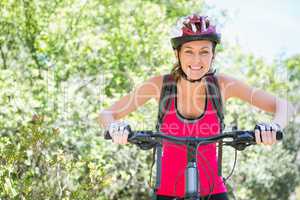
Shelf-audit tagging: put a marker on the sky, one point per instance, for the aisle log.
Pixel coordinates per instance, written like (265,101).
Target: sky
(266,28)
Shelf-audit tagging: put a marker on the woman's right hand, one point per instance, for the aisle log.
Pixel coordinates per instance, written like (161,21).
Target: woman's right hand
(119,131)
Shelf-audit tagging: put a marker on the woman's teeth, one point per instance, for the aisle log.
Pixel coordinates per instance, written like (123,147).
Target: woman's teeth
(195,68)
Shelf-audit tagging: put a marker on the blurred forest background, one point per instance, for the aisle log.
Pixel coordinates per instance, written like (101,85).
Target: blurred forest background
(62,61)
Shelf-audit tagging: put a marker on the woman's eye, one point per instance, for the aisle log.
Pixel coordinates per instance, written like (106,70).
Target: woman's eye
(204,52)
(188,52)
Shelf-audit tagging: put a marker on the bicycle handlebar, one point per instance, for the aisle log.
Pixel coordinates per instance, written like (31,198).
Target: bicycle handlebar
(148,139)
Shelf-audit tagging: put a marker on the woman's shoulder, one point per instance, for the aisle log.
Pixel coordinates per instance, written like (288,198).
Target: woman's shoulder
(232,87)
(225,82)
(155,81)
(223,78)
(154,85)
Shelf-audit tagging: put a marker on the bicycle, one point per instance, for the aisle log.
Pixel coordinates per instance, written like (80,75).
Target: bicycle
(237,139)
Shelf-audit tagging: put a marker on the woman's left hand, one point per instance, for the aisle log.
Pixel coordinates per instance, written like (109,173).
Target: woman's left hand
(265,133)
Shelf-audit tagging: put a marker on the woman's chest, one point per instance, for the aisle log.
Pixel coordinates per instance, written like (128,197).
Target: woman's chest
(191,106)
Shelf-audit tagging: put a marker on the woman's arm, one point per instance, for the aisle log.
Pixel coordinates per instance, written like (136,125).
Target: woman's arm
(232,87)
(129,103)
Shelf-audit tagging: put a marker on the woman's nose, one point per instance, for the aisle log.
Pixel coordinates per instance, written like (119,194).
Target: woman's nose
(197,58)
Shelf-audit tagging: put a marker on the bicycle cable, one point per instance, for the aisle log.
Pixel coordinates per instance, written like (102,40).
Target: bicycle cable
(211,188)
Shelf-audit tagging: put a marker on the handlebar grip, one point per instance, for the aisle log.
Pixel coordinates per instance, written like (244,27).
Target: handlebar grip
(107,135)
(279,135)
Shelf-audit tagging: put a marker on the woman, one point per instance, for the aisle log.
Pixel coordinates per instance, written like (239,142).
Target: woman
(191,112)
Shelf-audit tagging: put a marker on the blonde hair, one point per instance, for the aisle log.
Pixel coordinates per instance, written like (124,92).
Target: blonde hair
(177,72)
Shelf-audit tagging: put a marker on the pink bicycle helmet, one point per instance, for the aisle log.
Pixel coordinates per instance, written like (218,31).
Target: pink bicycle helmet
(191,28)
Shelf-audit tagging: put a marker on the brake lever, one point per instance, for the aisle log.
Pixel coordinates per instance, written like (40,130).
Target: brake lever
(141,136)
(242,140)
(143,140)
(238,146)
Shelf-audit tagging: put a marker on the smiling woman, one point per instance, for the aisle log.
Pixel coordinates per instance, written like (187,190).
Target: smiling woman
(189,103)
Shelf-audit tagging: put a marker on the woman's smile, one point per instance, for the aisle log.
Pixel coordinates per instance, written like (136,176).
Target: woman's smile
(195,67)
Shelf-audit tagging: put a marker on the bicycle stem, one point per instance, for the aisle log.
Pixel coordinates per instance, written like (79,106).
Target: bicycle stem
(192,182)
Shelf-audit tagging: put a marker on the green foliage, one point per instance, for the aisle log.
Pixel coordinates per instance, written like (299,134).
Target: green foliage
(265,173)
(64,60)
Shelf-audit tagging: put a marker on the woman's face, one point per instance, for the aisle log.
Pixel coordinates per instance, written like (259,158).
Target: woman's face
(196,58)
